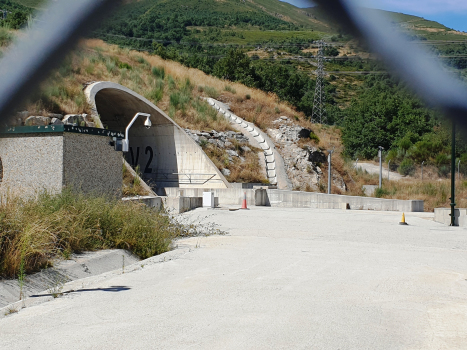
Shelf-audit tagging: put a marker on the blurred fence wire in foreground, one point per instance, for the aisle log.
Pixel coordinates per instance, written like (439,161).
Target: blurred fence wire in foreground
(423,74)
(44,46)
(59,28)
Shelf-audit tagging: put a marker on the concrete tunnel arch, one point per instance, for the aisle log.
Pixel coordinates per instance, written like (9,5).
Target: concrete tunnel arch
(167,156)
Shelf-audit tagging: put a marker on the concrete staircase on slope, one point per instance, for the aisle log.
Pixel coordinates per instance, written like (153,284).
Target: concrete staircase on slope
(268,149)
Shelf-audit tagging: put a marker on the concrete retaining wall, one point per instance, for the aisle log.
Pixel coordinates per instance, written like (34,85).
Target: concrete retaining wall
(292,199)
(442,215)
(150,201)
(177,205)
(228,196)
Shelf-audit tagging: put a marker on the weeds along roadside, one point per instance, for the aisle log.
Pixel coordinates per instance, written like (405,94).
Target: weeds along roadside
(35,232)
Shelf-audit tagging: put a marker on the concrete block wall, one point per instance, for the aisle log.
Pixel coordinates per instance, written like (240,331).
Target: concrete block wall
(31,164)
(51,159)
(443,216)
(262,196)
(292,199)
(91,165)
(228,196)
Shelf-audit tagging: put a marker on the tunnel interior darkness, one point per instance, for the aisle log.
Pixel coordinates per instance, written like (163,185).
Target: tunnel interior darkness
(154,149)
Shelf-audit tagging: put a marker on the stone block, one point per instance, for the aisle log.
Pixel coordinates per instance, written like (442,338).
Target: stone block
(56,121)
(37,121)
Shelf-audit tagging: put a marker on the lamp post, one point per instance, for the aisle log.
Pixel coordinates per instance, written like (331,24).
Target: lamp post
(356,165)
(147,124)
(422,169)
(380,151)
(458,169)
(453,175)
(329,170)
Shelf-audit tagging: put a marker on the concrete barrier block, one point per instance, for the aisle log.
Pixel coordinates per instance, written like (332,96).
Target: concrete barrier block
(259,138)
(271,173)
(268,152)
(271,166)
(270,159)
(264,146)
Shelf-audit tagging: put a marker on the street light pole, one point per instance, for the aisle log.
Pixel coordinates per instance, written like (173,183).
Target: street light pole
(458,169)
(422,169)
(329,171)
(380,166)
(453,174)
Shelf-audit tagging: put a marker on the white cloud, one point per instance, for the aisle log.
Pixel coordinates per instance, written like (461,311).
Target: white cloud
(419,6)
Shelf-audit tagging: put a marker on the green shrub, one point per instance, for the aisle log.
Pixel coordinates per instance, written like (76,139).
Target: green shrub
(155,94)
(442,159)
(248,97)
(124,65)
(444,170)
(314,137)
(381,192)
(158,72)
(406,167)
(5,36)
(230,89)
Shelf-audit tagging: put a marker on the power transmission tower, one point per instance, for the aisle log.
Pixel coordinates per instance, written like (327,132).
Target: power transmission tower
(319,109)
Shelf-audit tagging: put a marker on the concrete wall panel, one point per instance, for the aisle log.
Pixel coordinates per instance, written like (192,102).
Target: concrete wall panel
(91,164)
(31,164)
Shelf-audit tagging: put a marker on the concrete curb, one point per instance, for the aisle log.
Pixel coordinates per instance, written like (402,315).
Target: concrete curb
(76,285)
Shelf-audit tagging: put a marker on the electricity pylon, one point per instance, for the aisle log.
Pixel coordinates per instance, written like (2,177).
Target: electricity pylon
(319,109)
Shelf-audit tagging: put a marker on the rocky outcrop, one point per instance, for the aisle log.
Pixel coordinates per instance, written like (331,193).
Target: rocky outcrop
(256,133)
(26,119)
(303,164)
(225,140)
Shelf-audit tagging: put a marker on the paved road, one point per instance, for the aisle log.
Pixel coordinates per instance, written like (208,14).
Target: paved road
(281,279)
(374,169)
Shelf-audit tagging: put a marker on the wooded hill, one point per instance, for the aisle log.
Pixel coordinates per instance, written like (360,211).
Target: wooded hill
(271,45)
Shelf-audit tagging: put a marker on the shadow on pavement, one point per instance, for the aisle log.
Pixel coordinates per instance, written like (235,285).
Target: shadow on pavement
(109,289)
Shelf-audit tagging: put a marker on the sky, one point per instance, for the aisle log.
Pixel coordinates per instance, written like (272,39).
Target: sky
(451,13)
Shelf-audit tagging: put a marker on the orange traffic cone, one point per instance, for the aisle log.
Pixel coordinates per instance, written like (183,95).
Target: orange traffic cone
(244,206)
(403,220)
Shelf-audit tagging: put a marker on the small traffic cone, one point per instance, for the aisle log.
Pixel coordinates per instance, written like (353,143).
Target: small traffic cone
(244,206)
(403,220)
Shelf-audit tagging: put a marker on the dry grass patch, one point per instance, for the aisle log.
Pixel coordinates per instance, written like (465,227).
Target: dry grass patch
(34,232)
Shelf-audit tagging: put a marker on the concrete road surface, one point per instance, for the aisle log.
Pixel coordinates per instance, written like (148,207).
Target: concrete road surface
(281,279)
(371,168)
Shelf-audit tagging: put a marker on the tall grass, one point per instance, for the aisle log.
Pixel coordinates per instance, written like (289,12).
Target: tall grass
(34,232)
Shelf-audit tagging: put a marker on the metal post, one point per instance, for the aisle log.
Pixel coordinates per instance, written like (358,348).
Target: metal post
(422,169)
(458,169)
(380,167)
(356,165)
(389,163)
(329,171)
(453,174)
